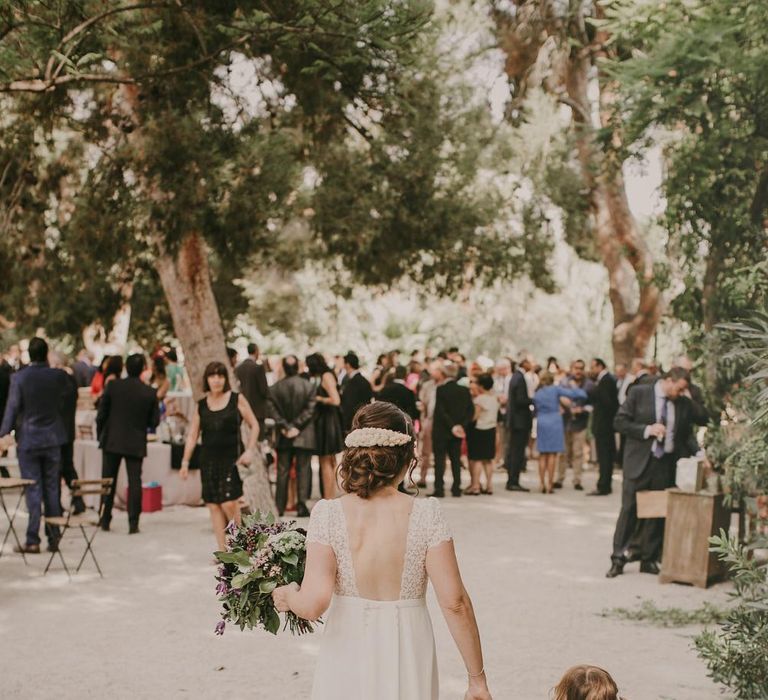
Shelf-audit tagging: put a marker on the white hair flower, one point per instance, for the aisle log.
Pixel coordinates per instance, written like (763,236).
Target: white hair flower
(376,437)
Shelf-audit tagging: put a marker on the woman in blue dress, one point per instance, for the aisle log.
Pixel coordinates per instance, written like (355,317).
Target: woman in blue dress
(550,435)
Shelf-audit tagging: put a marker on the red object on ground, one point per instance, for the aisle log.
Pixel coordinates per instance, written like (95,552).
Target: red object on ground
(151,498)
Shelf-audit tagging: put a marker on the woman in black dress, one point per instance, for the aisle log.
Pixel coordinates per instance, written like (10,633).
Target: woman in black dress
(328,431)
(218,418)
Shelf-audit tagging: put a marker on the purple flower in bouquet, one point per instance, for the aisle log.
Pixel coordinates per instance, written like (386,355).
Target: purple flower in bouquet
(260,556)
(220,628)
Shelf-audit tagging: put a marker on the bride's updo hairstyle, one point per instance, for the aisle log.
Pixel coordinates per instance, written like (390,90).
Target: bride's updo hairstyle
(364,470)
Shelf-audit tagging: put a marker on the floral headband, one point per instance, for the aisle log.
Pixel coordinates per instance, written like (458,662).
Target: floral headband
(376,437)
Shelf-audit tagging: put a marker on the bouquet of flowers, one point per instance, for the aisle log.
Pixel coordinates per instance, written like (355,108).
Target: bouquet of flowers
(261,555)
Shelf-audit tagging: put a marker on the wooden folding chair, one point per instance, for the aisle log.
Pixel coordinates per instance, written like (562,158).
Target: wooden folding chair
(81,487)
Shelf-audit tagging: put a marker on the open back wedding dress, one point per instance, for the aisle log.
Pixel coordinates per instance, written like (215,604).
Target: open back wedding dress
(378,649)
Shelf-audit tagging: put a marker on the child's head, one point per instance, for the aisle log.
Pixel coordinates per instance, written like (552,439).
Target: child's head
(586,683)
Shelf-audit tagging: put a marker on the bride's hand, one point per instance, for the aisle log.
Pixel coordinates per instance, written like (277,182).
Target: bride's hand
(280,596)
(478,690)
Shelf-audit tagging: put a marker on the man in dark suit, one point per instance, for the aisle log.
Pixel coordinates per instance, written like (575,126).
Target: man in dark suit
(292,406)
(5,385)
(519,423)
(253,384)
(657,422)
(356,390)
(128,408)
(395,391)
(453,413)
(34,410)
(604,398)
(69,410)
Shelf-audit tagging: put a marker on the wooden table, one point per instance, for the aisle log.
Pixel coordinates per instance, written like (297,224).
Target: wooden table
(8,484)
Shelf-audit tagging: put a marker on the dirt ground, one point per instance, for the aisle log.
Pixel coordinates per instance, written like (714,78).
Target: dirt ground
(533,564)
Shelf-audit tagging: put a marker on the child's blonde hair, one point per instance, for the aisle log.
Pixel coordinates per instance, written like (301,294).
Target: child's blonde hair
(586,683)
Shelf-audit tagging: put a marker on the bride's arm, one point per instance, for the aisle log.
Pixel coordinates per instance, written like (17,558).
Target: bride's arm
(312,599)
(443,572)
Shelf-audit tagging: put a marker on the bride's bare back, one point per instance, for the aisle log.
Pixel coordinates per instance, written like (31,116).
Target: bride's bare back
(377,529)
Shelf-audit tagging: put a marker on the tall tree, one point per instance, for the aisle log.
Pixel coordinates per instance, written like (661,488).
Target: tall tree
(165,172)
(698,81)
(555,46)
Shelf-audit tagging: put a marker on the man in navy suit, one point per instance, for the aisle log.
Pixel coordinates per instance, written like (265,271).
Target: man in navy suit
(34,410)
(519,423)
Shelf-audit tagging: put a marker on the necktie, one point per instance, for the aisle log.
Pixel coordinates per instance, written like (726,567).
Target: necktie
(658,445)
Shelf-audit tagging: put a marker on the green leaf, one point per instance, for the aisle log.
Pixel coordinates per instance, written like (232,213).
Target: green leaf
(267,586)
(272,620)
(240,558)
(292,559)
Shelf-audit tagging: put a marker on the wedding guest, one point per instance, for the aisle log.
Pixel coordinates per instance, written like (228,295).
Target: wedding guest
(384,364)
(292,407)
(68,413)
(83,368)
(378,640)
(575,420)
(481,436)
(694,393)
(519,424)
(34,411)
(586,683)
(253,384)
(501,379)
(604,398)
(158,379)
(550,434)
(5,383)
(413,375)
(97,383)
(395,391)
(128,408)
(111,369)
(426,406)
(658,422)
(174,371)
(232,356)
(217,421)
(329,433)
(453,414)
(13,357)
(459,360)
(621,372)
(356,390)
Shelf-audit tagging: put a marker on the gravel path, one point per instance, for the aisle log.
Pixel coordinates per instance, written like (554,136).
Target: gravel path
(533,564)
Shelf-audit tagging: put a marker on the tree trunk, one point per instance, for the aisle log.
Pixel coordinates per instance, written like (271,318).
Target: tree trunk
(538,32)
(635,299)
(186,281)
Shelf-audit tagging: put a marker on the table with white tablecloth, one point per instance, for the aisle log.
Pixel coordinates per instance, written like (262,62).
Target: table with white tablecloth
(156,467)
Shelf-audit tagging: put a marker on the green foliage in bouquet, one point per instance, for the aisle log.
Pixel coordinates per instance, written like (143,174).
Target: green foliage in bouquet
(261,555)
(737,654)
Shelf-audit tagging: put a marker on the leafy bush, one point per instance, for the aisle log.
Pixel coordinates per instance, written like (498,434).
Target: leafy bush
(737,654)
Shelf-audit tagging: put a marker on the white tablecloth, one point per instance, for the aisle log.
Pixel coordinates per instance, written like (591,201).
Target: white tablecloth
(156,467)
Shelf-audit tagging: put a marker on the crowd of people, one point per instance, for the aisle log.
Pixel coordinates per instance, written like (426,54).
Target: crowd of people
(479,417)
(475,417)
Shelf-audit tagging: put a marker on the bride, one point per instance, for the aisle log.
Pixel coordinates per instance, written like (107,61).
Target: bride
(369,555)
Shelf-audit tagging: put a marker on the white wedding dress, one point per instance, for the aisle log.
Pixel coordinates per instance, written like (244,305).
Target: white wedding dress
(378,649)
